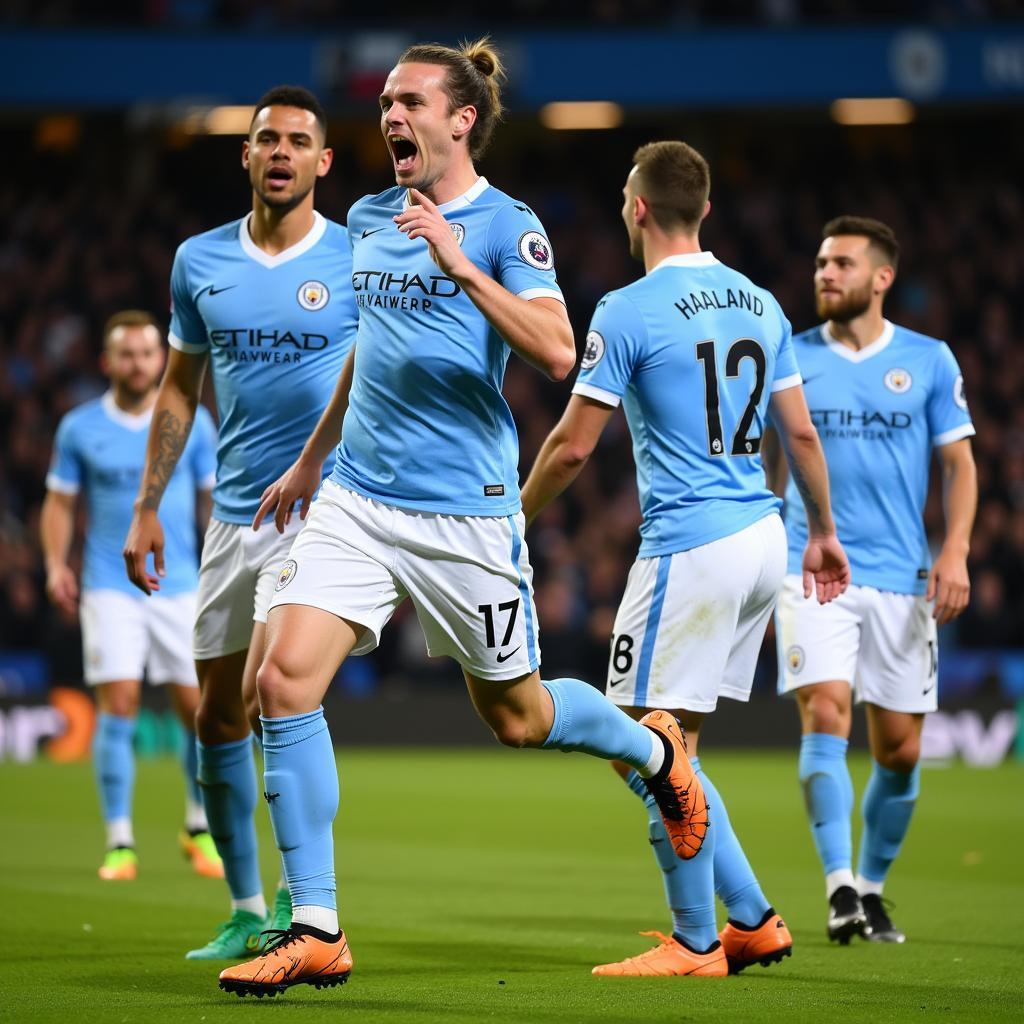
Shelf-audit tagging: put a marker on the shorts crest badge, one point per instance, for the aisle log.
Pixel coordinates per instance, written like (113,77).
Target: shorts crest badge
(313,295)
(795,659)
(287,574)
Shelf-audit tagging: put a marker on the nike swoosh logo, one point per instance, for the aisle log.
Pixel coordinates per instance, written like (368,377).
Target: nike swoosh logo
(924,693)
(505,657)
(807,380)
(366,234)
(615,682)
(217,291)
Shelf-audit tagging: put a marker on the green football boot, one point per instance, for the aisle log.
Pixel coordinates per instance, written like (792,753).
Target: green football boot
(280,917)
(236,939)
(120,865)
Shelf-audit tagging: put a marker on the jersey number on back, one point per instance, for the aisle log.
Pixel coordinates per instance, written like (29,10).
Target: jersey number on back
(743,348)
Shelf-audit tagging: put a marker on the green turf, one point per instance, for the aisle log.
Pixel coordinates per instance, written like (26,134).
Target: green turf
(483,885)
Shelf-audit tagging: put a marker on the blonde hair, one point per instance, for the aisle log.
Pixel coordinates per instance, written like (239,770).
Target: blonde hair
(474,78)
(128,318)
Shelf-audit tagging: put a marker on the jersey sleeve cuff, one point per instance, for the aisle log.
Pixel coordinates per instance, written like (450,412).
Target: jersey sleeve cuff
(60,486)
(542,293)
(785,383)
(185,346)
(207,483)
(956,434)
(598,394)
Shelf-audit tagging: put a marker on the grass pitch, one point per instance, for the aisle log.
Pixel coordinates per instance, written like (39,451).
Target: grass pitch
(483,885)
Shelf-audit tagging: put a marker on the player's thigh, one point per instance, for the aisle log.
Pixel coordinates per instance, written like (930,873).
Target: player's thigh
(898,665)
(115,638)
(894,737)
(471,582)
(763,544)
(227,583)
(185,702)
(816,643)
(253,660)
(169,624)
(220,692)
(305,646)
(340,563)
(676,626)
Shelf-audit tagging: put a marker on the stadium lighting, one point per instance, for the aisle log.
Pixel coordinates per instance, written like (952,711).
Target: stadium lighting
(581,115)
(217,121)
(888,110)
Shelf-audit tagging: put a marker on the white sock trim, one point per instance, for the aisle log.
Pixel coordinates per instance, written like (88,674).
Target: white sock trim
(195,816)
(120,833)
(868,888)
(837,879)
(254,904)
(657,758)
(324,918)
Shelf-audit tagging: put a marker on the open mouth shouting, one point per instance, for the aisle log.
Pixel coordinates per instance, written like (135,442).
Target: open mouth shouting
(403,153)
(279,177)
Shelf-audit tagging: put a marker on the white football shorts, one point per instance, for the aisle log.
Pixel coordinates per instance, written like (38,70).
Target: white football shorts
(126,637)
(237,573)
(469,578)
(882,644)
(690,625)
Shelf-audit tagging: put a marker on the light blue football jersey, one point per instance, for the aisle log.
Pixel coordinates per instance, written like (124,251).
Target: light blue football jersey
(278,329)
(427,427)
(101,448)
(693,350)
(879,412)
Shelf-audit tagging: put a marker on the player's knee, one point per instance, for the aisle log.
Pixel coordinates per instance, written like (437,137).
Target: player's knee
(822,714)
(220,722)
(275,689)
(511,730)
(122,703)
(900,757)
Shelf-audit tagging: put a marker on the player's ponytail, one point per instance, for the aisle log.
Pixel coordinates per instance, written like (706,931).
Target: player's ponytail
(474,77)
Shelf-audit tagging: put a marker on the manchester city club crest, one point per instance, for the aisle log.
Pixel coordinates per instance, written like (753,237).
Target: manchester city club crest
(593,351)
(898,380)
(287,574)
(313,295)
(795,659)
(535,249)
(459,232)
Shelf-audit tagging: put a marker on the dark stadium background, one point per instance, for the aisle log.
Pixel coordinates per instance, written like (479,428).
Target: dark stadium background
(107,169)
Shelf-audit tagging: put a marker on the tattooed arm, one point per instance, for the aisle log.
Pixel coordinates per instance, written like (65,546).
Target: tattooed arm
(825,567)
(173,414)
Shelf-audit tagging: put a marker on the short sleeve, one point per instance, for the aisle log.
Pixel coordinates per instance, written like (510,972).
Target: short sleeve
(348,311)
(521,254)
(948,417)
(188,332)
(787,372)
(204,451)
(66,471)
(613,349)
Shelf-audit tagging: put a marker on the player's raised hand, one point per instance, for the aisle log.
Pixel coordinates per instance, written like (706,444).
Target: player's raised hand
(826,569)
(144,535)
(62,588)
(298,483)
(424,220)
(949,586)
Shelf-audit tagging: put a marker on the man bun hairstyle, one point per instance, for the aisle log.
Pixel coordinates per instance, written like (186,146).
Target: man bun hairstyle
(880,236)
(291,96)
(474,78)
(675,181)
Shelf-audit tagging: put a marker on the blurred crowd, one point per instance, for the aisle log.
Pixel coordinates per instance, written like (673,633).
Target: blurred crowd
(92,228)
(291,14)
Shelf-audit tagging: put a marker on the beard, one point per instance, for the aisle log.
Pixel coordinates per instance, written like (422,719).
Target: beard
(282,203)
(853,304)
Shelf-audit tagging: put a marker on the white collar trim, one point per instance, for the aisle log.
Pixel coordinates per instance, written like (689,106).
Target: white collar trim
(133,421)
(473,192)
(858,355)
(252,250)
(687,259)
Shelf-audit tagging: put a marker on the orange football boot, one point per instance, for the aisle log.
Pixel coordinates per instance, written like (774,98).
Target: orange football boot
(201,852)
(766,943)
(293,957)
(120,865)
(677,790)
(667,960)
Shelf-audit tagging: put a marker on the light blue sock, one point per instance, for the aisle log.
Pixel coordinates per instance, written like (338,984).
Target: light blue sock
(301,779)
(114,764)
(190,765)
(735,882)
(227,778)
(828,795)
(689,884)
(586,720)
(887,808)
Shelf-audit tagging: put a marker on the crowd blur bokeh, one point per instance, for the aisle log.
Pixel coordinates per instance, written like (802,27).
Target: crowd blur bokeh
(94,213)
